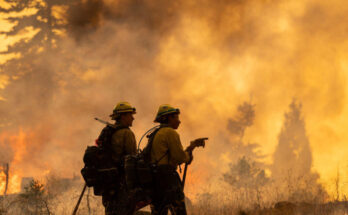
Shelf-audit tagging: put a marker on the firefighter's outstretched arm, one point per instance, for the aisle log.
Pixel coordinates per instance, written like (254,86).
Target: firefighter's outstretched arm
(195,143)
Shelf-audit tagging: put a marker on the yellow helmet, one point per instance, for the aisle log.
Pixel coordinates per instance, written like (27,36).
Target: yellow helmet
(122,107)
(165,110)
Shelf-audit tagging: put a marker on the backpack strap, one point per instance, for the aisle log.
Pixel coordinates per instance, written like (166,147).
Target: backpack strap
(161,157)
(148,148)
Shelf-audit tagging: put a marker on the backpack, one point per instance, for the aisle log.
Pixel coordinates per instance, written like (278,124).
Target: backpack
(138,168)
(100,171)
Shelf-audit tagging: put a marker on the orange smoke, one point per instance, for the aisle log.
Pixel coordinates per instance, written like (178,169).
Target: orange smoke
(206,57)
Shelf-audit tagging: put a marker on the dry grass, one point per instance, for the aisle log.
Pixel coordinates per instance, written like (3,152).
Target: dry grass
(61,199)
(280,208)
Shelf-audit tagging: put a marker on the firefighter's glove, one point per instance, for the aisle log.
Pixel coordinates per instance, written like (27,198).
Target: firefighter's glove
(197,142)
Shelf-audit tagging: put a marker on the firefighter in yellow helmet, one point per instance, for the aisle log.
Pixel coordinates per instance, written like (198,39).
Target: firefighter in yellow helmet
(116,201)
(167,153)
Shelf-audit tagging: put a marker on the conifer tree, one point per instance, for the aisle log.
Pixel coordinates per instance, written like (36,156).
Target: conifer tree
(246,174)
(292,161)
(30,75)
(293,153)
(237,127)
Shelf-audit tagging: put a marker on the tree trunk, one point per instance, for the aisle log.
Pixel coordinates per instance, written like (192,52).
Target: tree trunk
(6,171)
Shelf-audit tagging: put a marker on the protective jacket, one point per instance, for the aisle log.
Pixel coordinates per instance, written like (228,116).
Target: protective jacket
(123,143)
(167,148)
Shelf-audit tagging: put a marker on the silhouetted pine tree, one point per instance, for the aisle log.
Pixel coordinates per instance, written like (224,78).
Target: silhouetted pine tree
(246,174)
(35,74)
(292,161)
(244,119)
(293,153)
(43,20)
(237,126)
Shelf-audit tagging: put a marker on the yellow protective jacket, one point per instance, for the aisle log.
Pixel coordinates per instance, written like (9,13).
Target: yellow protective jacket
(167,140)
(123,143)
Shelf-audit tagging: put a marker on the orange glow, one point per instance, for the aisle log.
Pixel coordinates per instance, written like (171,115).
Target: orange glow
(14,184)
(17,144)
(207,63)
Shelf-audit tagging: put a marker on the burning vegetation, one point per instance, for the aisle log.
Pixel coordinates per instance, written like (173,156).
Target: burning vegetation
(265,80)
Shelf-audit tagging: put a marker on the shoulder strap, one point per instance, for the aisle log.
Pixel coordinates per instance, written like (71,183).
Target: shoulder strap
(162,157)
(148,148)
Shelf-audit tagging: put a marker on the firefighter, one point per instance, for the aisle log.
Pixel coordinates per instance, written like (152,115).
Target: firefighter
(117,202)
(167,153)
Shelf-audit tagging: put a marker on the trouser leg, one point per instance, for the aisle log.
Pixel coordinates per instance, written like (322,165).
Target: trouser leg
(169,194)
(109,203)
(179,207)
(120,204)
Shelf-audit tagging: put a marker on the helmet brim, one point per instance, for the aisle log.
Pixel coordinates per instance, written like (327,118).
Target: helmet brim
(158,117)
(133,111)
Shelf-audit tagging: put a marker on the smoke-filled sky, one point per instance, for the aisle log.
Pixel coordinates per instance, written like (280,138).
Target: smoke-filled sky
(205,57)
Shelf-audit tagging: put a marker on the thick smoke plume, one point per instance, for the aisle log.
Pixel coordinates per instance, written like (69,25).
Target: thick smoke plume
(206,57)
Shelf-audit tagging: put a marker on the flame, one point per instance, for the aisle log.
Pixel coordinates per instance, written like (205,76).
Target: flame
(14,183)
(2,182)
(17,143)
(207,63)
